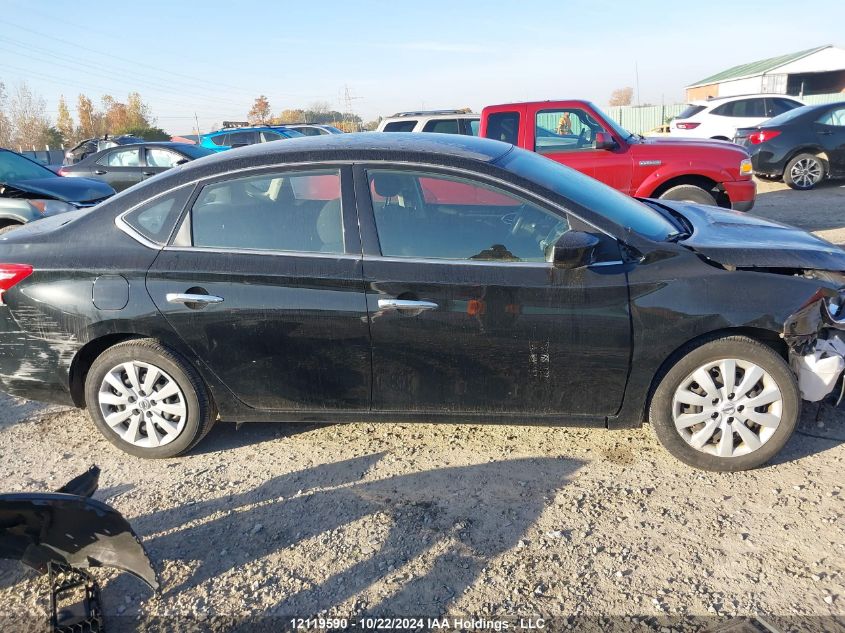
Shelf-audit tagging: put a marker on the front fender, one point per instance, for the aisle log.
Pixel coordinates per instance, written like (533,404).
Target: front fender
(689,169)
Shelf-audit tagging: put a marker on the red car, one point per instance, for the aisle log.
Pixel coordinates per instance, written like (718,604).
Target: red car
(579,135)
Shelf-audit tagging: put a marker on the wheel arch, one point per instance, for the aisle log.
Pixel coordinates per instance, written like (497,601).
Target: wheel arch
(85,357)
(769,338)
(697,180)
(816,150)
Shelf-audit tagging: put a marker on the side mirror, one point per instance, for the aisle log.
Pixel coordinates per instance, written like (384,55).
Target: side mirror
(573,250)
(604,141)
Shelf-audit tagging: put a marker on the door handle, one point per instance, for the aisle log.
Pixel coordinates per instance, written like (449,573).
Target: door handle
(175,297)
(148,173)
(99,172)
(825,132)
(405,304)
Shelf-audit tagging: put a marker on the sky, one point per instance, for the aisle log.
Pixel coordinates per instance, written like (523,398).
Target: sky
(210,59)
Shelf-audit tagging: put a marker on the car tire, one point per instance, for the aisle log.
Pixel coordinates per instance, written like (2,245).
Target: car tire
(9,227)
(121,406)
(804,171)
(689,193)
(699,439)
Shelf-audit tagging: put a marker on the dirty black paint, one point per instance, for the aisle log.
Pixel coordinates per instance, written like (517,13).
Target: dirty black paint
(301,337)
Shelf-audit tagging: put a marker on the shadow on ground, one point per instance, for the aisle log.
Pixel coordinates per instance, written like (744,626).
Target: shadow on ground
(459,518)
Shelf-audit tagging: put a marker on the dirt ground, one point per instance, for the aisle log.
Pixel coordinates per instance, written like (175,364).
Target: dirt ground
(277,521)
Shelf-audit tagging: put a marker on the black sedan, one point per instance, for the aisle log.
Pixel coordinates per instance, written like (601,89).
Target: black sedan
(29,191)
(400,277)
(122,166)
(803,146)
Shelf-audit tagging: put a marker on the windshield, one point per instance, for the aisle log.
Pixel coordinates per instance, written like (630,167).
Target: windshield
(587,192)
(621,131)
(15,167)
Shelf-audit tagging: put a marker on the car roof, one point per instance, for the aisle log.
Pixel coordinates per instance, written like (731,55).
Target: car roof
(250,128)
(756,95)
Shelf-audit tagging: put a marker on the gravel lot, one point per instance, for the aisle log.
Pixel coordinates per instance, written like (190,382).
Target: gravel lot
(495,521)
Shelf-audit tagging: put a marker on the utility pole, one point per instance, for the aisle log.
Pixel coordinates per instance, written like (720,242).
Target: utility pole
(637,83)
(197,121)
(348,98)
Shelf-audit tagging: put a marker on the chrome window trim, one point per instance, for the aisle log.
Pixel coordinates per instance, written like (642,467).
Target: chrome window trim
(247,251)
(131,232)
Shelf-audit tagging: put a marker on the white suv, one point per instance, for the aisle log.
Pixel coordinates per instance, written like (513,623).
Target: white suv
(441,121)
(720,117)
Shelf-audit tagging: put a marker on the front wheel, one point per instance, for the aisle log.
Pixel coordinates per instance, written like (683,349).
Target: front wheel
(727,405)
(804,172)
(148,401)
(689,193)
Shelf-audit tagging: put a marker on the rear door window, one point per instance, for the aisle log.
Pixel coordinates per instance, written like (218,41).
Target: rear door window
(158,157)
(285,211)
(503,126)
(121,158)
(747,108)
(400,126)
(442,126)
(777,106)
(835,118)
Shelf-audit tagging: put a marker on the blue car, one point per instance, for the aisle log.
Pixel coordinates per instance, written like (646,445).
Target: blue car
(240,136)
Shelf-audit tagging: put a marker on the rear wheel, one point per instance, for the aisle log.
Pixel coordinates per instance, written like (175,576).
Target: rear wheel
(804,172)
(689,193)
(727,405)
(148,401)
(9,227)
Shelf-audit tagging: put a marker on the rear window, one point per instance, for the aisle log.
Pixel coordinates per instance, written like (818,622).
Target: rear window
(691,110)
(400,126)
(155,220)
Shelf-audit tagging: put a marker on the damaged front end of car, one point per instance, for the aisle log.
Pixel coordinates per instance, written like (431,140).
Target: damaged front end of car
(63,533)
(815,335)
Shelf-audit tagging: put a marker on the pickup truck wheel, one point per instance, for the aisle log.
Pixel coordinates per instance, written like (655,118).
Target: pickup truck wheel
(804,172)
(689,193)
(727,405)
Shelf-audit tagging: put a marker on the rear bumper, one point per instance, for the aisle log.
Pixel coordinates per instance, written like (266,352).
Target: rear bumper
(741,193)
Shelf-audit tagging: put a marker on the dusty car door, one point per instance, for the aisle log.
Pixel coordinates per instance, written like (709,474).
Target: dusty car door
(121,167)
(263,281)
(465,313)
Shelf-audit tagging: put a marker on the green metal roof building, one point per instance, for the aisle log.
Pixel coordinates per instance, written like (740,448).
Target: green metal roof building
(819,70)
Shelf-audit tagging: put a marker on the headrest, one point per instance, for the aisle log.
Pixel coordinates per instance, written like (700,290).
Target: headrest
(387,185)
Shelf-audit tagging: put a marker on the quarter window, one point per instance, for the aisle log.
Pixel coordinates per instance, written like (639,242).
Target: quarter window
(266,137)
(742,108)
(155,220)
(122,158)
(428,215)
(289,211)
(566,130)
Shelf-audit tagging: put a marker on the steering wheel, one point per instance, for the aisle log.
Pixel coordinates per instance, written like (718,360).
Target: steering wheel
(582,137)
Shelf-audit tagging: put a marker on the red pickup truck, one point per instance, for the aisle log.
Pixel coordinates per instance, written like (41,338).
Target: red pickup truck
(579,135)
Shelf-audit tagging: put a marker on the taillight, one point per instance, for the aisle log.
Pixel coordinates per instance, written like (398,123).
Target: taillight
(62,171)
(687,126)
(11,275)
(755,138)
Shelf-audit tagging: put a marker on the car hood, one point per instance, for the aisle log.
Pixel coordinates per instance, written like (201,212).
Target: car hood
(668,141)
(737,239)
(65,189)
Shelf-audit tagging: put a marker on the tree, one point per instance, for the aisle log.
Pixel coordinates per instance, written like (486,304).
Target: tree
(88,117)
(137,112)
(621,96)
(148,133)
(52,138)
(5,126)
(64,122)
(260,111)
(26,116)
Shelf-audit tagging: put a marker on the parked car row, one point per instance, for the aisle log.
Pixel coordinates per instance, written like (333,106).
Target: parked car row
(397,277)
